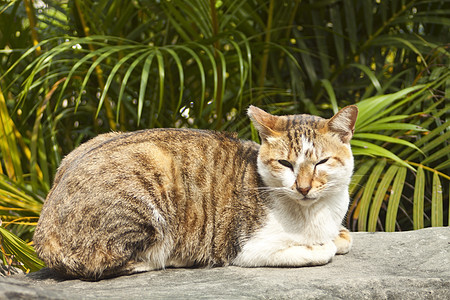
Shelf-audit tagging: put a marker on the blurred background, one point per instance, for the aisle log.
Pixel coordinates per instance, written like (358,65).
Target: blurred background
(70,70)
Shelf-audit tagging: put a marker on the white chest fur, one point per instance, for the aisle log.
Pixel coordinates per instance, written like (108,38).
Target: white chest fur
(296,235)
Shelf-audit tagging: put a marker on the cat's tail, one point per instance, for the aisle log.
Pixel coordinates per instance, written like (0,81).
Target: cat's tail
(95,260)
(92,264)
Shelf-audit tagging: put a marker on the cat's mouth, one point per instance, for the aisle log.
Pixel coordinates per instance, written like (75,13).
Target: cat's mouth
(305,200)
(302,199)
(309,199)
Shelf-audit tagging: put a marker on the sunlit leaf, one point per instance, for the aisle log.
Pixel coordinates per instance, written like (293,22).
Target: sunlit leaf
(368,193)
(327,84)
(13,245)
(196,64)
(380,137)
(376,150)
(8,145)
(371,109)
(394,199)
(360,175)
(419,191)
(437,207)
(379,197)
(370,74)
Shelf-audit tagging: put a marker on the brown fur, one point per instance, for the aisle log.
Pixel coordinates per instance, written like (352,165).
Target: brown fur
(128,202)
(100,211)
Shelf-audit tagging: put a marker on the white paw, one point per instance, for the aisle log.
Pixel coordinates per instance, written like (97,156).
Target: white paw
(343,241)
(291,256)
(322,254)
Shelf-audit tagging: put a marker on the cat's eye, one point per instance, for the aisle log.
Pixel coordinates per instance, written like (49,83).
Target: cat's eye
(286,164)
(322,161)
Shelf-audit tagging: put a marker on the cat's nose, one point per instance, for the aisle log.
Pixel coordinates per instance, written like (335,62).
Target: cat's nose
(304,191)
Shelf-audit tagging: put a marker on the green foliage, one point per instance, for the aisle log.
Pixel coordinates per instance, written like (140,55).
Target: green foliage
(73,69)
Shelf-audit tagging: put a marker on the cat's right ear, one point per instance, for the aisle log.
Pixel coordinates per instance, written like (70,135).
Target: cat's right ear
(263,122)
(343,123)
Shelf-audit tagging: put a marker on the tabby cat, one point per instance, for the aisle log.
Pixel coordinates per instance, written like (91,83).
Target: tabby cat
(131,202)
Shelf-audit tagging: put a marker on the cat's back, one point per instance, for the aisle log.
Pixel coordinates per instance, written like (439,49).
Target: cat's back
(127,189)
(115,160)
(119,147)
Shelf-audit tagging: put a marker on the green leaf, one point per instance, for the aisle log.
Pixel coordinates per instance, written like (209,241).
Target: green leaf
(359,175)
(8,145)
(241,67)
(380,137)
(444,165)
(13,245)
(307,60)
(327,84)
(372,149)
(111,76)
(370,74)
(437,155)
(394,199)
(379,197)
(390,119)
(391,126)
(419,194)
(13,194)
(435,134)
(350,19)
(212,60)
(128,75)
(399,41)
(179,65)
(437,208)
(368,14)
(372,109)
(144,80)
(438,141)
(366,198)
(161,72)
(95,65)
(321,43)
(431,139)
(201,70)
(335,15)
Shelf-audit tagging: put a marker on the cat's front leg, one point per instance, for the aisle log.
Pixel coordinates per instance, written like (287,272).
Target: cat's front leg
(293,255)
(305,255)
(343,241)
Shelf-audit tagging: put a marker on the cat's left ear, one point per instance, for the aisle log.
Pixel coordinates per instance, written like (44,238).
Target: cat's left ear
(343,122)
(264,122)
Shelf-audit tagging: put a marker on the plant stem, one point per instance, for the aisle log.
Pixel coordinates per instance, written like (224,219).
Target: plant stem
(8,145)
(428,168)
(383,27)
(31,18)
(216,44)
(366,44)
(98,70)
(289,30)
(265,57)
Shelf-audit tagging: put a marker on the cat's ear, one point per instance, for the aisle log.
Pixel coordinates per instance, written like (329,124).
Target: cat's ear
(343,122)
(263,122)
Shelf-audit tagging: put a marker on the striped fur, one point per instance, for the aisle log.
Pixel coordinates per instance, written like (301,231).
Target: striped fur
(131,202)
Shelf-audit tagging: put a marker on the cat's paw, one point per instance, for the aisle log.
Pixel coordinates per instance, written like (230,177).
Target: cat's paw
(343,241)
(322,254)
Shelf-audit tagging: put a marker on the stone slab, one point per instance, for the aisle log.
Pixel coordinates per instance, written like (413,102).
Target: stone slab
(400,265)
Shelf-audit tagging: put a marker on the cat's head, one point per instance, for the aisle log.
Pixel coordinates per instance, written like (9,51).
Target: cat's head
(305,158)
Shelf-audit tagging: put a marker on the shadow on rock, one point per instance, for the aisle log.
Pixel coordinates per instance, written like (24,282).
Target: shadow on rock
(47,274)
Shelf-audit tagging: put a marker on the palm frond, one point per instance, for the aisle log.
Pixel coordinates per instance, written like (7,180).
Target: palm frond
(88,67)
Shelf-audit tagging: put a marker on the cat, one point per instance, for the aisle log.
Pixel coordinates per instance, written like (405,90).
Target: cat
(124,203)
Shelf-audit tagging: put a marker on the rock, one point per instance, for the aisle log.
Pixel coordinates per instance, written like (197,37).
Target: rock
(9,270)
(406,265)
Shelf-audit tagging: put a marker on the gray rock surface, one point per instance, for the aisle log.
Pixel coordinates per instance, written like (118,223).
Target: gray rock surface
(405,265)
